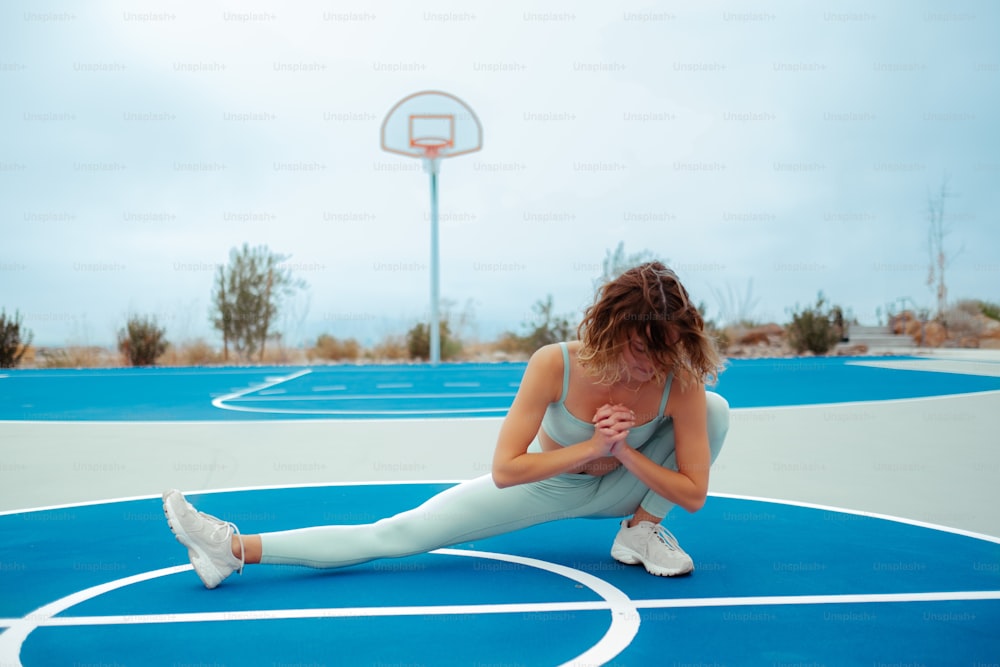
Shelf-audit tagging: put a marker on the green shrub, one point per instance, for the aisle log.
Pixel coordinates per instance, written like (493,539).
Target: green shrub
(990,310)
(14,341)
(816,329)
(418,341)
(142,341)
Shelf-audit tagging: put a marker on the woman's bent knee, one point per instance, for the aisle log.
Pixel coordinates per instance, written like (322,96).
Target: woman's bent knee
(718,420)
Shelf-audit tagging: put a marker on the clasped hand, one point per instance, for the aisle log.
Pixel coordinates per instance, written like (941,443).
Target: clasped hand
(611,426)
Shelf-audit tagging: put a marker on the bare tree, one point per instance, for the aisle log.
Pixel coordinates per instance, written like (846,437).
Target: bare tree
(939,259)
(736,308)
(616,262)
(247,297)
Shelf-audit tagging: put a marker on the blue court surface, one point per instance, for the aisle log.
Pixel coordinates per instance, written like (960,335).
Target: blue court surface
(398,391)
(776,583)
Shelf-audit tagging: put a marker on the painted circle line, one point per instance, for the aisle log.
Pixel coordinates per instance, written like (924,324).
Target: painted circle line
(624,614)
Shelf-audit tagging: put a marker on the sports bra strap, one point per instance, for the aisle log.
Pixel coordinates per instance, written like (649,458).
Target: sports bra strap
(666,394)
(565,388)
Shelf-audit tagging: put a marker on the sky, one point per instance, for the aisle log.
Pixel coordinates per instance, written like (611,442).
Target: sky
(766,152)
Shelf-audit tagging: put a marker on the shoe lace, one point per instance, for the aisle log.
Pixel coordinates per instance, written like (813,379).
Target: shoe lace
(228,526)
(666,537)
(243,549)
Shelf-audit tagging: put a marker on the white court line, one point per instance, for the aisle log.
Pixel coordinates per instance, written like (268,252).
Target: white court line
(394,385)
(977,367)
(871,515)
(270,382)
(332,387)
(508,608)
(462,384)
(267,396)
(876,402)
(625,616)
(367,413)
(622,630)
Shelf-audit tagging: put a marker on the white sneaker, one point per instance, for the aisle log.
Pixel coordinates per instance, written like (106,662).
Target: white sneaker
(208,540)
(652,545)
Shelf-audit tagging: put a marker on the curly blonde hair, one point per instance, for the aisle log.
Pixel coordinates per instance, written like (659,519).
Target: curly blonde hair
(647,301)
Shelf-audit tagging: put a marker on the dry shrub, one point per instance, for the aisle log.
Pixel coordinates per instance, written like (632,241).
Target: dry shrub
(280,355)
(191,353)
(330,348)
(77,356)
(390,348)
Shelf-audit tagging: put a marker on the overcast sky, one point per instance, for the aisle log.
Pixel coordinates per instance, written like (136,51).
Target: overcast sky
(766,151)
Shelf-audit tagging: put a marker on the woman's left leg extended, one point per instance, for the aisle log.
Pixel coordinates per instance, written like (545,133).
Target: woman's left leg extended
(469,511)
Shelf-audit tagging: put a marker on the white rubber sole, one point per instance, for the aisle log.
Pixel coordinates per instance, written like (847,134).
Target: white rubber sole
(627,556)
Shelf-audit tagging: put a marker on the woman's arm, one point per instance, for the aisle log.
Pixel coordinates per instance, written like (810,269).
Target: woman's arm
(540,386)
(688,485)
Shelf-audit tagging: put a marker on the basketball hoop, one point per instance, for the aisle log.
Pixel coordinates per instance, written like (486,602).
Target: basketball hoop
(432,125)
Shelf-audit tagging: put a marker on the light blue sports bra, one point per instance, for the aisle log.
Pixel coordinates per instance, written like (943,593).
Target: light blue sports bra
(566,429)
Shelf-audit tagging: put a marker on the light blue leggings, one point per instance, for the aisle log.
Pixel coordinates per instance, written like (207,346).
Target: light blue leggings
(477,509)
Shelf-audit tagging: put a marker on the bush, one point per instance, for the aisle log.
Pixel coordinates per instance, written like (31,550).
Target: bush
(142,341)
(12,346)
(418,341)
(990,310)
(816,329)
(333,349)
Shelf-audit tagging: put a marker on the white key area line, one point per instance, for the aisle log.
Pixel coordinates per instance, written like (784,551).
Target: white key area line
(270,397)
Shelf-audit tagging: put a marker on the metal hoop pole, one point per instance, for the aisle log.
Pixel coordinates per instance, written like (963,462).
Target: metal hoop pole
(431,165)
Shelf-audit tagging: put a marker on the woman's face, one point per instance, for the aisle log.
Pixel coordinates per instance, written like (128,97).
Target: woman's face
(637,363)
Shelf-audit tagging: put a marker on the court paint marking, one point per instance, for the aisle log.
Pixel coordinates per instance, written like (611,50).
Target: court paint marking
(624,615)
(875,403)
(268,383)
(374,414)
(270,394)
(864,513)
(370,413)
(267,396)
(508,608)
(13,638)
(962,367)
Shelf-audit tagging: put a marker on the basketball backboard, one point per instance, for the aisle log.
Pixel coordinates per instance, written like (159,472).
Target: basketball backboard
(431,124)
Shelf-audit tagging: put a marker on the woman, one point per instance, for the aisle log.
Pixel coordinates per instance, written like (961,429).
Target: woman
(615,424)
